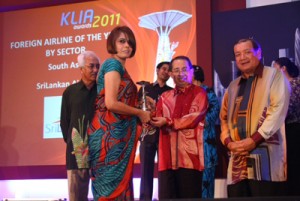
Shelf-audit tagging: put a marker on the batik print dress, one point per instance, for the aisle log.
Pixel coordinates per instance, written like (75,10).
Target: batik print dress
(113,139)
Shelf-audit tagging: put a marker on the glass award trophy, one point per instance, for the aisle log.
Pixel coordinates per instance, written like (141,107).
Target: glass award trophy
(144,105)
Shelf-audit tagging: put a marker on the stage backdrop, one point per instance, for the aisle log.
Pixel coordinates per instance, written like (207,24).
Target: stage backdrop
(39,48)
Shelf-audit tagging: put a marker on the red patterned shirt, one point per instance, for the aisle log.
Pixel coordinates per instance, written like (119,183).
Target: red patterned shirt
(181,140)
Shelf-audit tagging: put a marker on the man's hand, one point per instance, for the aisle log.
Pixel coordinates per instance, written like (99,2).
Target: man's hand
(158,121)
(242,147)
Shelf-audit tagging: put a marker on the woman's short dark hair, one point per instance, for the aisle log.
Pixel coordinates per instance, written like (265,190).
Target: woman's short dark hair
(291,68)
(198,73)
(115,33)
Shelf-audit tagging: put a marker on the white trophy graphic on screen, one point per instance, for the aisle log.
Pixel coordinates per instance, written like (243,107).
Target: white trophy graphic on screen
(163,23)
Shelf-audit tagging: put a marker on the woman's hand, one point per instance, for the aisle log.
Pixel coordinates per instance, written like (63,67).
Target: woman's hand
(145,116)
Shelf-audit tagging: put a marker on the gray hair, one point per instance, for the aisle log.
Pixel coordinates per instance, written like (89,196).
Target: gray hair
(82,57)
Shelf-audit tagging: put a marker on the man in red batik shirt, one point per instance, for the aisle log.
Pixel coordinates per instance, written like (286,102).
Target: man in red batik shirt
(180,114)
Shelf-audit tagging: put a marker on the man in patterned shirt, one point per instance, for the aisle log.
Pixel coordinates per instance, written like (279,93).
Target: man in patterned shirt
(77,110)
(252,125)
(180,114)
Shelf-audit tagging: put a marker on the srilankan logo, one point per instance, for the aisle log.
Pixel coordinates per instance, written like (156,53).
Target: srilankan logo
(52,107)
(86,19)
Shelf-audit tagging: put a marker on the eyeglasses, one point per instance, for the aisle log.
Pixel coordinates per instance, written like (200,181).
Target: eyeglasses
(92,66)
(183,71)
